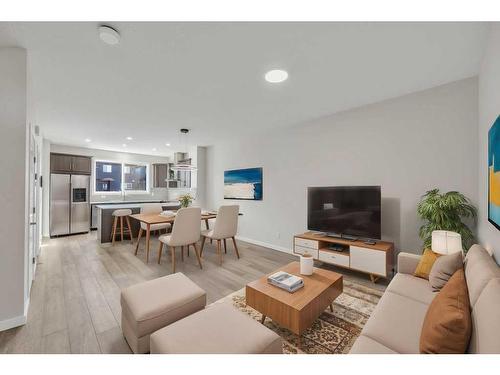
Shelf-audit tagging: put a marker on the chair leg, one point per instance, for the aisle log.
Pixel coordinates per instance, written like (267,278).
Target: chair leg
(219,251)
(197,255)
(130,229)
(121,228)
(182,253)
(202,245)
(138,240)
(113,233)
(225,246)
(236,248)
(188,251)
(159,252)
(172,249)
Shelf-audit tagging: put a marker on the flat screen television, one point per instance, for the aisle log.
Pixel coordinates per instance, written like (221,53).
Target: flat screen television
(350,211)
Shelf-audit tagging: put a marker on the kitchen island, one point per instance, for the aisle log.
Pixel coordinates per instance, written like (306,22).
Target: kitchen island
(105,217)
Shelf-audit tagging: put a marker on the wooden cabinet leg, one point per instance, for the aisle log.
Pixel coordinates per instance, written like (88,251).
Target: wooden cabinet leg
(374,278)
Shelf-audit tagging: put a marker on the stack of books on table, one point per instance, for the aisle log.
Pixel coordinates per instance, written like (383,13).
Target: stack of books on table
(286,281)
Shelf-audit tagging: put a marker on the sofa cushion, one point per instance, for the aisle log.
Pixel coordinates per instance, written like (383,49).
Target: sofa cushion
(447,325)
(480,268)
(366,345)
(412,287)
(443,269)
(396,323)
(426,262)
(219,329)
(153,304)
(485,336)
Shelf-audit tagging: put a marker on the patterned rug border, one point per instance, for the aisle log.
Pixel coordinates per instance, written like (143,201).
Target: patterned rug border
(331,333)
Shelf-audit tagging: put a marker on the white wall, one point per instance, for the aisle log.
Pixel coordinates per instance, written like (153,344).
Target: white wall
(13,163)
(407,145)
(489,109)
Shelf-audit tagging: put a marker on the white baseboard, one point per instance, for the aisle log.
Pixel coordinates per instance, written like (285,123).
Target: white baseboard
(17,320)
(265,244)
(12,322)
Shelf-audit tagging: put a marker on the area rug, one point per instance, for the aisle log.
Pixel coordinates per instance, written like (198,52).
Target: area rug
(331,333)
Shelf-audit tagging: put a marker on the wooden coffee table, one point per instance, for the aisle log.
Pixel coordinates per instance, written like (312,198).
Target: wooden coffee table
(295,311)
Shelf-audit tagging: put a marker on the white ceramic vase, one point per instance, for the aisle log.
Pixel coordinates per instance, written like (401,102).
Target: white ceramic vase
(306,265)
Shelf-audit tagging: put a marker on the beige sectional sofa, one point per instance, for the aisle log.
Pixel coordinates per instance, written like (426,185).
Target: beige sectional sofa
(396,323)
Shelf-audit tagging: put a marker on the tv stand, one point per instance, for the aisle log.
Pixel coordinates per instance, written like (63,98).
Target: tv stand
(373,259)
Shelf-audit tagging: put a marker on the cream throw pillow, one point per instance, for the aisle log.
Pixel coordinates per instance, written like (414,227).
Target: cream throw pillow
(443,268)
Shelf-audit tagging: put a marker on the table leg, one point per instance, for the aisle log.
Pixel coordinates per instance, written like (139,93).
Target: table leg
(263,319)
(331,307)
(148,234)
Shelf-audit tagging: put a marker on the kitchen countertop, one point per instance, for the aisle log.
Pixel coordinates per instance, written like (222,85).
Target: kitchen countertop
(133,201)
(132,205)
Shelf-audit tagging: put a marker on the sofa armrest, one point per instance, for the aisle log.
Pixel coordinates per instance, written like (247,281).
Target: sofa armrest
(407,263)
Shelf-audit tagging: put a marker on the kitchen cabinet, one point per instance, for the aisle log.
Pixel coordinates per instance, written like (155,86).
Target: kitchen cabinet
(76,164)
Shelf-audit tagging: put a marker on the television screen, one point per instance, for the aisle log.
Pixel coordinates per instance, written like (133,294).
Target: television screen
(345,210)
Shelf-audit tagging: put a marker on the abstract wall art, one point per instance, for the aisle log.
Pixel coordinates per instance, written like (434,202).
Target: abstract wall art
(494,174)
(243,184)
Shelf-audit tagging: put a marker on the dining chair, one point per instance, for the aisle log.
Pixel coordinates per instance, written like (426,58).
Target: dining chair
(226,226)
(151,208)
(185,232)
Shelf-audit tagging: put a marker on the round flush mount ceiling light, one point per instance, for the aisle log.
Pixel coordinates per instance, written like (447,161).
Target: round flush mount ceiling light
(167,144)
(276,76)
(129,138)
(109,35)
(88,140)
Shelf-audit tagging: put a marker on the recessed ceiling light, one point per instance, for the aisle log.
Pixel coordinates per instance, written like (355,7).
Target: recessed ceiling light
(88,140)
(109,35)
(154,149)
(124,145)
(167,144)
(276,76)
(129,138)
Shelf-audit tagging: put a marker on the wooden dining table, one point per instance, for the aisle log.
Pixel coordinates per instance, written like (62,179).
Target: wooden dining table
(151,219)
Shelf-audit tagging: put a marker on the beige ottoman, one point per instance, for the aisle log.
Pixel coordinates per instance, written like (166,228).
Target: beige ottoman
(154,304)
(219,329)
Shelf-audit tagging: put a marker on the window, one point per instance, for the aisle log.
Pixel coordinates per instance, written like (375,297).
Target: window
(113,177)
(108,177)
(135,177)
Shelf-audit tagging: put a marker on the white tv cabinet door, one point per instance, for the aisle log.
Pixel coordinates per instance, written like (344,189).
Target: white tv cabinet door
(368,260)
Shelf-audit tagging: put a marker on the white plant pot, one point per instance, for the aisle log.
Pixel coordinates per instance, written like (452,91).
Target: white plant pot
(306,265)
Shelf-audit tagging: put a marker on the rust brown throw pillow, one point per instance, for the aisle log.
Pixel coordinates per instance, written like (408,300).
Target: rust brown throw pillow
(447,325)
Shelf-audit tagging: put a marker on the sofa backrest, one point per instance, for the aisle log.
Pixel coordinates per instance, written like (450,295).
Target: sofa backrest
(483,282)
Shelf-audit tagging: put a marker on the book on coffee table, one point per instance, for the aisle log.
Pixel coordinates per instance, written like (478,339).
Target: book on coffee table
(286,281)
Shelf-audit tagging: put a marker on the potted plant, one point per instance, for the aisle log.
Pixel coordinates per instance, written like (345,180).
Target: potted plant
(185,200)
(445,212)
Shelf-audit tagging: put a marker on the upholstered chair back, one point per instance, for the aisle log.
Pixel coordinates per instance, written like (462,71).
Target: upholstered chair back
(226,224)
(186,228)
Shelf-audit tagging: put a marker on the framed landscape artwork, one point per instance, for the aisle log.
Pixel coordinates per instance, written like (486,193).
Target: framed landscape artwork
(243,184)
(494,174)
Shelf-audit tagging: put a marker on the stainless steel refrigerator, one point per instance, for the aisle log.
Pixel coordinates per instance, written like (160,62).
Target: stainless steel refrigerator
(69,204)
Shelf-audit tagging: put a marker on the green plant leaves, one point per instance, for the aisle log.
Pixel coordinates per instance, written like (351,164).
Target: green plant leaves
(445,212)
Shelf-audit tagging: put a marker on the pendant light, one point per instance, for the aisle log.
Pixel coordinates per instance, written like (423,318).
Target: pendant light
(183,164)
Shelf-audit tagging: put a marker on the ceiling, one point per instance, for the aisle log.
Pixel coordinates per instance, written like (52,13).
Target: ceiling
(208,77)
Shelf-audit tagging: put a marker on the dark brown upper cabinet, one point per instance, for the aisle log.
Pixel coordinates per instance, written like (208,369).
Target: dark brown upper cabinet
(62,163)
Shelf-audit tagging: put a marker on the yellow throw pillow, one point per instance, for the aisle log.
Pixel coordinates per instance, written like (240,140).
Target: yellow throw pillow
(426,262)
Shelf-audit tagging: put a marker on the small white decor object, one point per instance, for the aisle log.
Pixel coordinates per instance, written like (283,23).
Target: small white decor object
(446,242)
(168,213)
(306,264)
